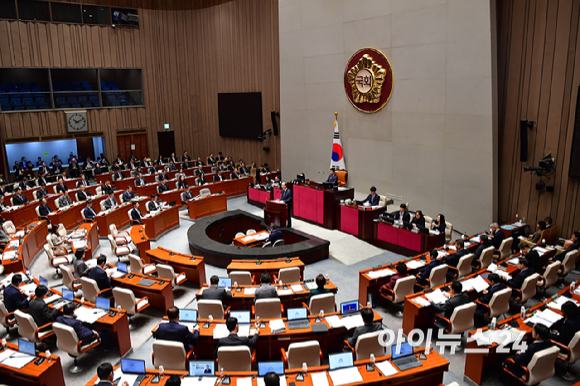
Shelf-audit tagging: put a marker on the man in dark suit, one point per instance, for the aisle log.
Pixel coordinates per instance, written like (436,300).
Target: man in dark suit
(64,200)
(136,213)
(233,339)
(369,326)
(266,291)
(455,299)
(568,246)
(218,177)
(128,194)
(163,186)
(176,332)
(41,181)
(533,257)
(332,177)
(140,181)
(571,325)
(213,292)
(171,166)
(185,157)
(83,194)
(68,319)
(162,176)
(42,168)
(3,205)
(541,336)
(498,235)
(19,198)
(198,171)
(198,162)
(61,187)
(3,189)
(43,208)
(452,259)
(107,188)
(275,234)
(152,205)
(39,310)
(89,211)
(187,194)
(82,181)
(210,159)
(24,184)
(13,298)
(99,275)
(495,286)
(403,215)
(118,175)
(525,271)
(98,170)
(373,198)
(287,199)
(110,202)
(106,375)
(201,180)
(244,170)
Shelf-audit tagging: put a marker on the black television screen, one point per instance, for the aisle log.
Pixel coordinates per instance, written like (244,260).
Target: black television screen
(240,114)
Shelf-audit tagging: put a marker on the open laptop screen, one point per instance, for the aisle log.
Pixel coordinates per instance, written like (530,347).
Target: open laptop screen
(266,367)
(242,316)
(42,281)
(103,303)
(186,315)
(122,267)
(201,368)
(405,350)
(297,313)
(26,347)
(134,366)
(338,361)
(349,307)
(68,295)
(225,282)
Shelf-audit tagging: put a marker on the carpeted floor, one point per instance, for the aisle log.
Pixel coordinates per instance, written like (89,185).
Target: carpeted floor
(349,255)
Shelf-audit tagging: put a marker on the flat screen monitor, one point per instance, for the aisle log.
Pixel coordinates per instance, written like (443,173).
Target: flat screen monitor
(103,303)
(68,295)
(242,316)
(186,315)
(267,367)
(133,366)
(349,307)
(42,281)
(338,361)
(122,267)
(26,347)
(201,368)
(240,115)
(405,350)
(297,313)
(225,282)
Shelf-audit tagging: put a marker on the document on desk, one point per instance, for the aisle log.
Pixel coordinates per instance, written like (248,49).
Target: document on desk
(89,315)
(386,368)
(250,291)
(6,353)
(353,322)
(10,255)
(540,250)
(28,288)
(546,317)
(79,244)
(421,301)
(514,261)
(244,381)
(52,298)
(334,321)
(260,381)
(414,264)
(196,381)
(477,283)
(18,360)
(345,376)
(441,253)
(436,297)
(297,288)
(312,285)
(244,330)
(220,331)
(13,244)
(557,304)
(129,378)
(277,325)
(380,273)
(319,379)
(285,292)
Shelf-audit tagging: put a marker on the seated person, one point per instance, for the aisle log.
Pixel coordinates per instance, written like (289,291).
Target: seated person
(82,181)
(68,318)
(484,243)
(19,198)
(43,208)
(89,211)
(64,200)
(372,198)
(418,219)
(181,183)
(199,171)
(332,177)
(103,280)
(549,222)
(402,215)
(568,246)
(13,298)
(454,299)
(576,240)
(84,194)
(187,194)
(319,290)
(106,375)
(136,213)
(235,174)
(80,267)
(163,186)
(140,181)
(233,339)
(2,204)
(266,290)
(495,286)
(533,257)
(56,240)
(435,260)
(452,259)
(153,205)
(176,332)
(171,167)
(213,292)
(218,177)
(128,194)
(271,379)
(39,310)
(60,186)
(541,336)
(201,180)
(108,187)
(275,234)
(525,271)
(537,235)
(369,326)
(401,273)
(571,325)
(111,202)
(498,235)
(439,224)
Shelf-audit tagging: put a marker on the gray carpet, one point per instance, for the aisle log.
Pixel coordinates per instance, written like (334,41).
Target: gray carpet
(345,277)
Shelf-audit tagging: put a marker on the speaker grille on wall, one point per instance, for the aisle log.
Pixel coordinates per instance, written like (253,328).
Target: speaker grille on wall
(523,141)
(274,122)
(575,155)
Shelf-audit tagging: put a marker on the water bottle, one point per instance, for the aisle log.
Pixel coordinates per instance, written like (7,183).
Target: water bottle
(257,322)
(48,356)
(523,221)
(516,217)
(211,319)
(222,373)
(372,358)
(304,367)
(327,278)
(572,287)
(543,242)
(119,308)
(4,342)
(369,305)
(493,323)
(321,313)
(160,372)
(523,312)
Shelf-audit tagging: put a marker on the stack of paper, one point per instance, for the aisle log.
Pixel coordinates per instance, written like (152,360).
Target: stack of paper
(345,376)
(52,298)
(28,288)
(285,292)
(319,379)
(79,244)
(277,326)
(13,244)
(351,322)
(89,315)
(241,381)
(220,331)
(19,234)
(414,264)
(250,291)
(10,255)
(546,317)
(514,261)
(386,368)
(334,321)
(540,250)
(380,273)
(18,360)
(441,253)
(477,283)
(244,330)
(436,296)
(297,288)
(311,285)
(557,304)
(421,301)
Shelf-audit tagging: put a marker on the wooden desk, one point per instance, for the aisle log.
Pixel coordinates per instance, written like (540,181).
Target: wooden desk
(192,266)
(403,241)
(161,222)
(239,241)
(23,215)
(117,216)
(30,246)
(46,374)
(140,239)
(258,196)
(359,221)
(71,217)
(159,295)
(92,239)
(216,203)
(317,205)
(272,267)
(276,213)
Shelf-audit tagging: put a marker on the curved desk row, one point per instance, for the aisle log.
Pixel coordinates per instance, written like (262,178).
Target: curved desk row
(192,266)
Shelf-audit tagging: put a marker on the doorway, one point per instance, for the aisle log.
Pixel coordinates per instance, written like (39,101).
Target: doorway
(166,140)
(130,144)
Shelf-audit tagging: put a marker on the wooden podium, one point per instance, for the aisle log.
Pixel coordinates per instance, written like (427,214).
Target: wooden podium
(276,213)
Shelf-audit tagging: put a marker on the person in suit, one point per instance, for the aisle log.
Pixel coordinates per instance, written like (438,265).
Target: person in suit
(159,161)
(187,194)
(118,175)
(403,215)
(98,170)
(176,332)
(145,163)
(219,157)
(163,186)
(215,293)
(369,326)
(571,325)
(418,219)
(541,336)
(60,186)
(172,158)
(13,298)
(568,245)
(64,175)
(110,202)
(264,169)
(84,194)
(201,180)
(82,181)
(233,339)
(181,183)
(89,211)
(495,286)
(198,171)
(41,181)
(185,157)
(2,204)
(39,310)
(235,174)
(230,166)
(549,222)
(171,166)
(99,275)
(140,181)
(107,188)
(198,162)
(575,240)
(68,319)
(452,259)
(24,184)
(275,234)
(401,273)
(439,224)
(162,176)
(243,169)
(537,235)
(484,243)
(128,194)
(287,199)
(152,205)
(136,213)
(80,267)
(179,174)
(106,375)
(525,271)
(64,200)
(211,159)
(372,198)
(3,189)
(74,168)
(454,299)
(218,177)
(43,208)
(534,258)
(498,235)
(19,198)
(266,291)
(320,287)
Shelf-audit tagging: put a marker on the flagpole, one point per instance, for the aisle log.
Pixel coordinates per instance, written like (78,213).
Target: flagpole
(336,115)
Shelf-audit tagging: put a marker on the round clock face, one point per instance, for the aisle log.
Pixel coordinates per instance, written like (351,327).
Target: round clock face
(77,122)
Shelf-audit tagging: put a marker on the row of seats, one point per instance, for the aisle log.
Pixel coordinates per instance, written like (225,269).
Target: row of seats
(17,102)
(73,86)
(76,100)
(19,87)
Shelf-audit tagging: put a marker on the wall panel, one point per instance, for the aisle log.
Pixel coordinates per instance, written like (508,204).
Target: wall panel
(539,76)
(189,52)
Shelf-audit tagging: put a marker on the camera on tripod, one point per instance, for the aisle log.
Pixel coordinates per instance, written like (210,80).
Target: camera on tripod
(546,166)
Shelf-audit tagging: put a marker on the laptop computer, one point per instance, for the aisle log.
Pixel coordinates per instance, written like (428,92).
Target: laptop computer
(134,366)
(297,318)
(103,304)
(404,358)
(122,271)
(244,321)
(201,368)
(188,316)
(267,367)
(42,281)
(26,347)
(349,308)
(339,361)
(225,282)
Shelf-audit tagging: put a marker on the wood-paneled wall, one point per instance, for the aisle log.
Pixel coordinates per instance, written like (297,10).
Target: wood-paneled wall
(189,52)
(538,80)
